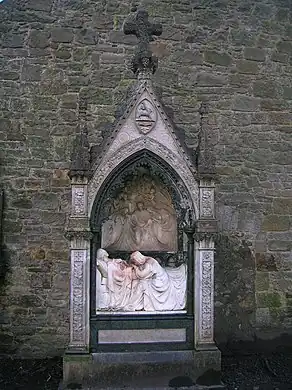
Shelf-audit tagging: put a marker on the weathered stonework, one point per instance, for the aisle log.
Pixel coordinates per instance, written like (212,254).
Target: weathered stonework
(52,54)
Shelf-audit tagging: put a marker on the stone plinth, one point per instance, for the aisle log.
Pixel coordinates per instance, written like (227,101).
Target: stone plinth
(127,368)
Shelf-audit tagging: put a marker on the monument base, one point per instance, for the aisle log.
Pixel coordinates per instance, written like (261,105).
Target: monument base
(152,369)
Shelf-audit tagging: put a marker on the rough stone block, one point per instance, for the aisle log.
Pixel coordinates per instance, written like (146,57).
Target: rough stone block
(62,35)
(265,89)
(248,67)
(265,262)
(269,300)
(63,53)
(279,57)
(39,5)
(216,58)
(285,129)
(262,281)
(285,47)
(162,50)
(279,245)
(282,206)
(13,40)
(111,58)
(205,79)
(44,103)
(31,73)
(69,101)
(276,223)
(67,115)
(45,201)
(287,93)
(280,118)
(87,36)
(120,37)
(281,281)
(245,103)
(254,53)
(106,78)
(97,95)
(187,57)
(39,39)
(22,203)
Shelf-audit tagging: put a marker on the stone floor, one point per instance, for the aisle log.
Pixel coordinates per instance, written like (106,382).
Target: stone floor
(253,372)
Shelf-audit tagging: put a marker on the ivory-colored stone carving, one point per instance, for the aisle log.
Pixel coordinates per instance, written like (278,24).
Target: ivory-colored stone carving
(78,200)
(145,116)
(77,330)
(141,217)
(141,284)
(207,202)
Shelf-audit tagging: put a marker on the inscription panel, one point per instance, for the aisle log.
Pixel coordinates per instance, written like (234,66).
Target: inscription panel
(141,336)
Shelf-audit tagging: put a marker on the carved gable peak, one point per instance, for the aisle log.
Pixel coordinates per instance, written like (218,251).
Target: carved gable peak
(144,119)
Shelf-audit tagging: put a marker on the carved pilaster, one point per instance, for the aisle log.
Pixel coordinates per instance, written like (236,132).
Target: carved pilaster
(79,234)
(205,291)
(79,301)
(207,207)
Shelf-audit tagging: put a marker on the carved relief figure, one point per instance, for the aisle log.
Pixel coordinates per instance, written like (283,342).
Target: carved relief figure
(142,217)
(144,112)
(114,281)
(163,288)
(145,116)
(140,285)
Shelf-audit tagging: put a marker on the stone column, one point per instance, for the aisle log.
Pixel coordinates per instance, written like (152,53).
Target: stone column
(78,233)
(206,227)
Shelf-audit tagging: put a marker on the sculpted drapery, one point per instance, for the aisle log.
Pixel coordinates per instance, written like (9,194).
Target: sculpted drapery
(141,284)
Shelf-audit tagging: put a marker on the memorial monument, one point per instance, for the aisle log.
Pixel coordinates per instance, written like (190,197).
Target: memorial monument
(142,231)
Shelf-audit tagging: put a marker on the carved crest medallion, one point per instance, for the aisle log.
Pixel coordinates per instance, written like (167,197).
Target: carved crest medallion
(145,116)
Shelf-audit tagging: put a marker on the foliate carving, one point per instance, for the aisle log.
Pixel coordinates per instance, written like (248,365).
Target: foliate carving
(145,116)
(77,235)
(201,236)
(77,298)
(178,163)
(206,326)
(78,201)
(207,203)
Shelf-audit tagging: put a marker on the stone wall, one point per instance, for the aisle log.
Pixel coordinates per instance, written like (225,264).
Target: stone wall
(237,56)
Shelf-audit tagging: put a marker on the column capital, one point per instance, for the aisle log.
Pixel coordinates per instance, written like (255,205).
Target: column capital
(78,234)
(204,236)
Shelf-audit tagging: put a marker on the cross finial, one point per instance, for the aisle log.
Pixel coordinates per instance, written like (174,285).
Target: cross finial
(140,26)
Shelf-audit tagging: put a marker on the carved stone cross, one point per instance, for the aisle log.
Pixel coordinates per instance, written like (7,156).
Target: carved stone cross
(140,26)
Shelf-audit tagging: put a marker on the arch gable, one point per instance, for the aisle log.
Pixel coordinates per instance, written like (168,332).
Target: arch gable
(117,158)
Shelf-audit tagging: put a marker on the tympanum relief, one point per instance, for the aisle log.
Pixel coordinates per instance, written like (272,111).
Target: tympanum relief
(139,284)
(141,217)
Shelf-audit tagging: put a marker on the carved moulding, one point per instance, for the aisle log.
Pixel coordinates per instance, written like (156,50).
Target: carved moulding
(177,162)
